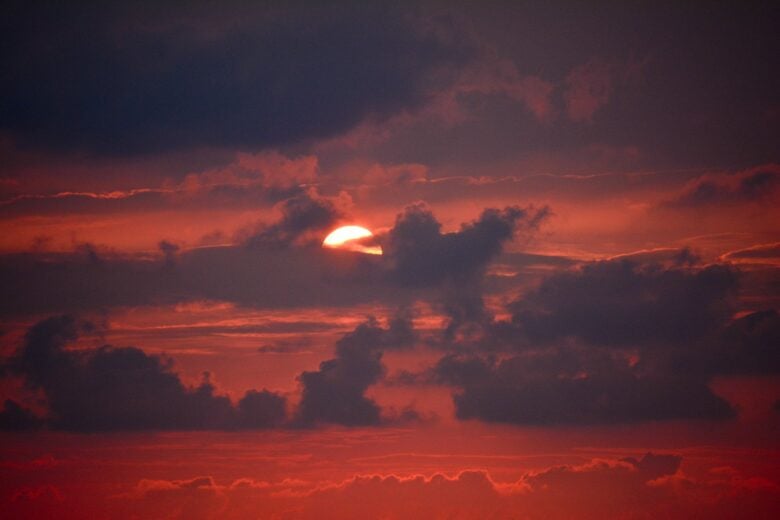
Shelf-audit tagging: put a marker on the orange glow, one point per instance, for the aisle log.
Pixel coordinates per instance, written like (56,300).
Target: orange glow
(351,238)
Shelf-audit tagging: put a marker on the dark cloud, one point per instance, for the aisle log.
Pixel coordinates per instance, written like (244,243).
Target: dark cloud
(336,392)
(261,409)
(454,263)
(467,315)
(422,255)
(281,264)
(255,276)
(169,250)
(609,342)
(673,67)
(677,318)
(155,77)
(264,274)
(767,252)
(748,345)
(633,472)
(752,186)
(111,388)
(625,303)
(568,386)
(15,417)
(305,213)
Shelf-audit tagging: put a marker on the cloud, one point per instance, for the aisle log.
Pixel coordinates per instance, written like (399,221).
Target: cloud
(306,213)
(748,345)
(261,409)
(422,255)
(111,388)
(615,341)
(14,417)
(651,486)
(280,264)
(125,389)
(125,80)
(625,303)
(568,386)
(761,253)
(198,498)
(35,501)
(248,181)
(588,88)
(491,75)
(267,271)
(336,392)
(754,185)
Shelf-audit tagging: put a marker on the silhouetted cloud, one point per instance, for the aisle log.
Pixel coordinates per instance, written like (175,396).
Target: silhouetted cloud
(748,345)
(625,303)
(757,253)
(132,79)
(280,264)
(305,213)
(336,392)
(754,185)
(261,409)
(422,255)
(567,386)
(14,417)
(111,388)
(610,341)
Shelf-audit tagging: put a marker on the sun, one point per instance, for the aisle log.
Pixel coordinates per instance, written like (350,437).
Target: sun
(352,238)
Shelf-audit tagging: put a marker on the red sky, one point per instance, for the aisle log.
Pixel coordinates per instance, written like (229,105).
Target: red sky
(576,311)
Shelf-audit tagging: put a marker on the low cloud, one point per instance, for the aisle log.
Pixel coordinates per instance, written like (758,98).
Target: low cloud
(649,486)
(123,388)
(336,392)
(627,303)
(617,341)
(14,417)
(573,387)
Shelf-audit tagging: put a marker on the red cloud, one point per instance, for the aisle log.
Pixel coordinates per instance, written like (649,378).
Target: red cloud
(652,487)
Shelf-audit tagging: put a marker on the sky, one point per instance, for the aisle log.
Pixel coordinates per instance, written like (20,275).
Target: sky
(576,309)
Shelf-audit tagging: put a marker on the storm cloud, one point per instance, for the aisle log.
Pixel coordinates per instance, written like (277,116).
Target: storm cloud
(117,79)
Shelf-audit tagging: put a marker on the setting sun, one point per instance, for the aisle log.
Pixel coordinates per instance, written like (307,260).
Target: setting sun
(352,238)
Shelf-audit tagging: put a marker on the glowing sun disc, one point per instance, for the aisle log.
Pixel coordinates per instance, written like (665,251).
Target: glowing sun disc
(350,238)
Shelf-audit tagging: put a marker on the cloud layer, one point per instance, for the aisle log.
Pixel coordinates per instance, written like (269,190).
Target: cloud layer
(241,76)
(616,488)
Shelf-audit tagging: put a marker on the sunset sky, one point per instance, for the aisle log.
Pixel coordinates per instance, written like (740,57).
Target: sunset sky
(574,315)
